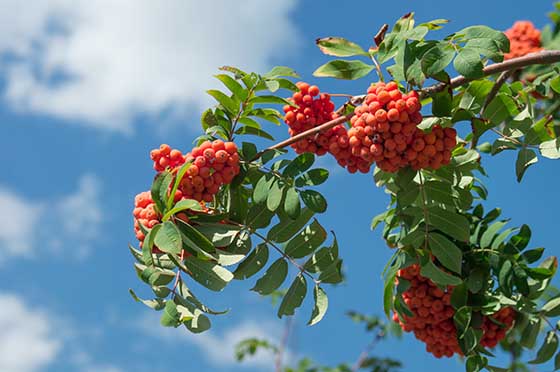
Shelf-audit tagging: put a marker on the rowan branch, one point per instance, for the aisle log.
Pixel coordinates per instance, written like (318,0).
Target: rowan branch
(540,58)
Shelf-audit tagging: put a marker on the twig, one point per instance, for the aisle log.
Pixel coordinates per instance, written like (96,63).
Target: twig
(178,275)
(294,262)
(283,344)
(364,354)
(495,89)
(541,58)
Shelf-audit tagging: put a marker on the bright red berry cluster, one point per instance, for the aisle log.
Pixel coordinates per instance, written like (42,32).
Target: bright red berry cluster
(144,213)
(384,131)
(213,165)
(314,108)
(524,38)
(432,322)
(166,157)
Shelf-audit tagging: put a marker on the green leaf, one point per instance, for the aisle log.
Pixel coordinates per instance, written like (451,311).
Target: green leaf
(272,278)
(442,103)
(530,333)
(313,177)
(186,294)
(475,281)
(476,363)
(314,200)
(278,71)
(233,86)
(183,205)
(199,323)
(168,238)
(333,274)
(292,207)
(275,196)
(208,119)
(437,59)
(521,239)
(260,193)
(195,238)
(271,100)
(253,263)
(299,165)
(156,304)
(525,158)
(321,305)
(339,47)
(226,102)
(170,316)
(550,149)
(468,64)
(178,178)
(247,130)
(220,234)
(490,233)
(547,349)
(462,320)
(307,241)
(552,307)
(294,297)
(446,252)
(340,69)
(485,33)
(148,245)
(259,216)
(209,274)
(453,224)
(159,190)
(431,271)
(286,228)
(323,259)
(532,255)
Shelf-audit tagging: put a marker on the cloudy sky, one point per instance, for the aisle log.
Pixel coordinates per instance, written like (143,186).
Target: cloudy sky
(87,88)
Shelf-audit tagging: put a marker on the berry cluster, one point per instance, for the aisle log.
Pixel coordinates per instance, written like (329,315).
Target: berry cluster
(314,108)
(213,165)
(145,214)
(432,322)
(166,157)
(493,331)
(384,131)
(524,38)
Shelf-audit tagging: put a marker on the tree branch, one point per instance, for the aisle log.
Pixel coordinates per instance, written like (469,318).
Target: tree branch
(540,58)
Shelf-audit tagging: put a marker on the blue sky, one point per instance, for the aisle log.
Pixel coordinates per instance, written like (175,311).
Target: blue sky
(89,87)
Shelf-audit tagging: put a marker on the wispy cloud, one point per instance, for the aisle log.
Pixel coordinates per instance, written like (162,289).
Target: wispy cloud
(102,62)
(29,226)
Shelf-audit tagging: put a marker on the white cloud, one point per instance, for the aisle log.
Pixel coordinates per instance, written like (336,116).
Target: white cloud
(105,61)
(28,341)
(72,221)
(218,347)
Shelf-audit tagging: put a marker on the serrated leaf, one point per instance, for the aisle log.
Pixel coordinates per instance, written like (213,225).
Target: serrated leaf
(552,307)
(431,271)
(253,263)
(271,100)
(437,59)
(272,278)
(339,47)
(462,320)
(225,101)
(219,234)
(341,69)
(313,177)
(159,190)
(299,165)
(294,297)
(233,85)
(307,241)
(260,192)
(207,273)
(530,333)
(194,238)
(156,304)
(275,196)
(182,205)
(446,252)
(281,71)
(490,233)
(248,130)
(287,228)
(170,316)
(468,64)
(168,238)
(453,224)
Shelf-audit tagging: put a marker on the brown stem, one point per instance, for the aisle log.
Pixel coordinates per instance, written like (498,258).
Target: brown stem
(495,89)
(364,354)
(541,58)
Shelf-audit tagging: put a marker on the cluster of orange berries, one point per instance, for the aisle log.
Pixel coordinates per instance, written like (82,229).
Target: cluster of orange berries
(213,165)
(166,157)
(144,213)
(524,38)
(384,131)
(314,108)
(432,322)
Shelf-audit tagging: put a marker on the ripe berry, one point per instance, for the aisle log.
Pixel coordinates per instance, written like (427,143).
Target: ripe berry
(524,38)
